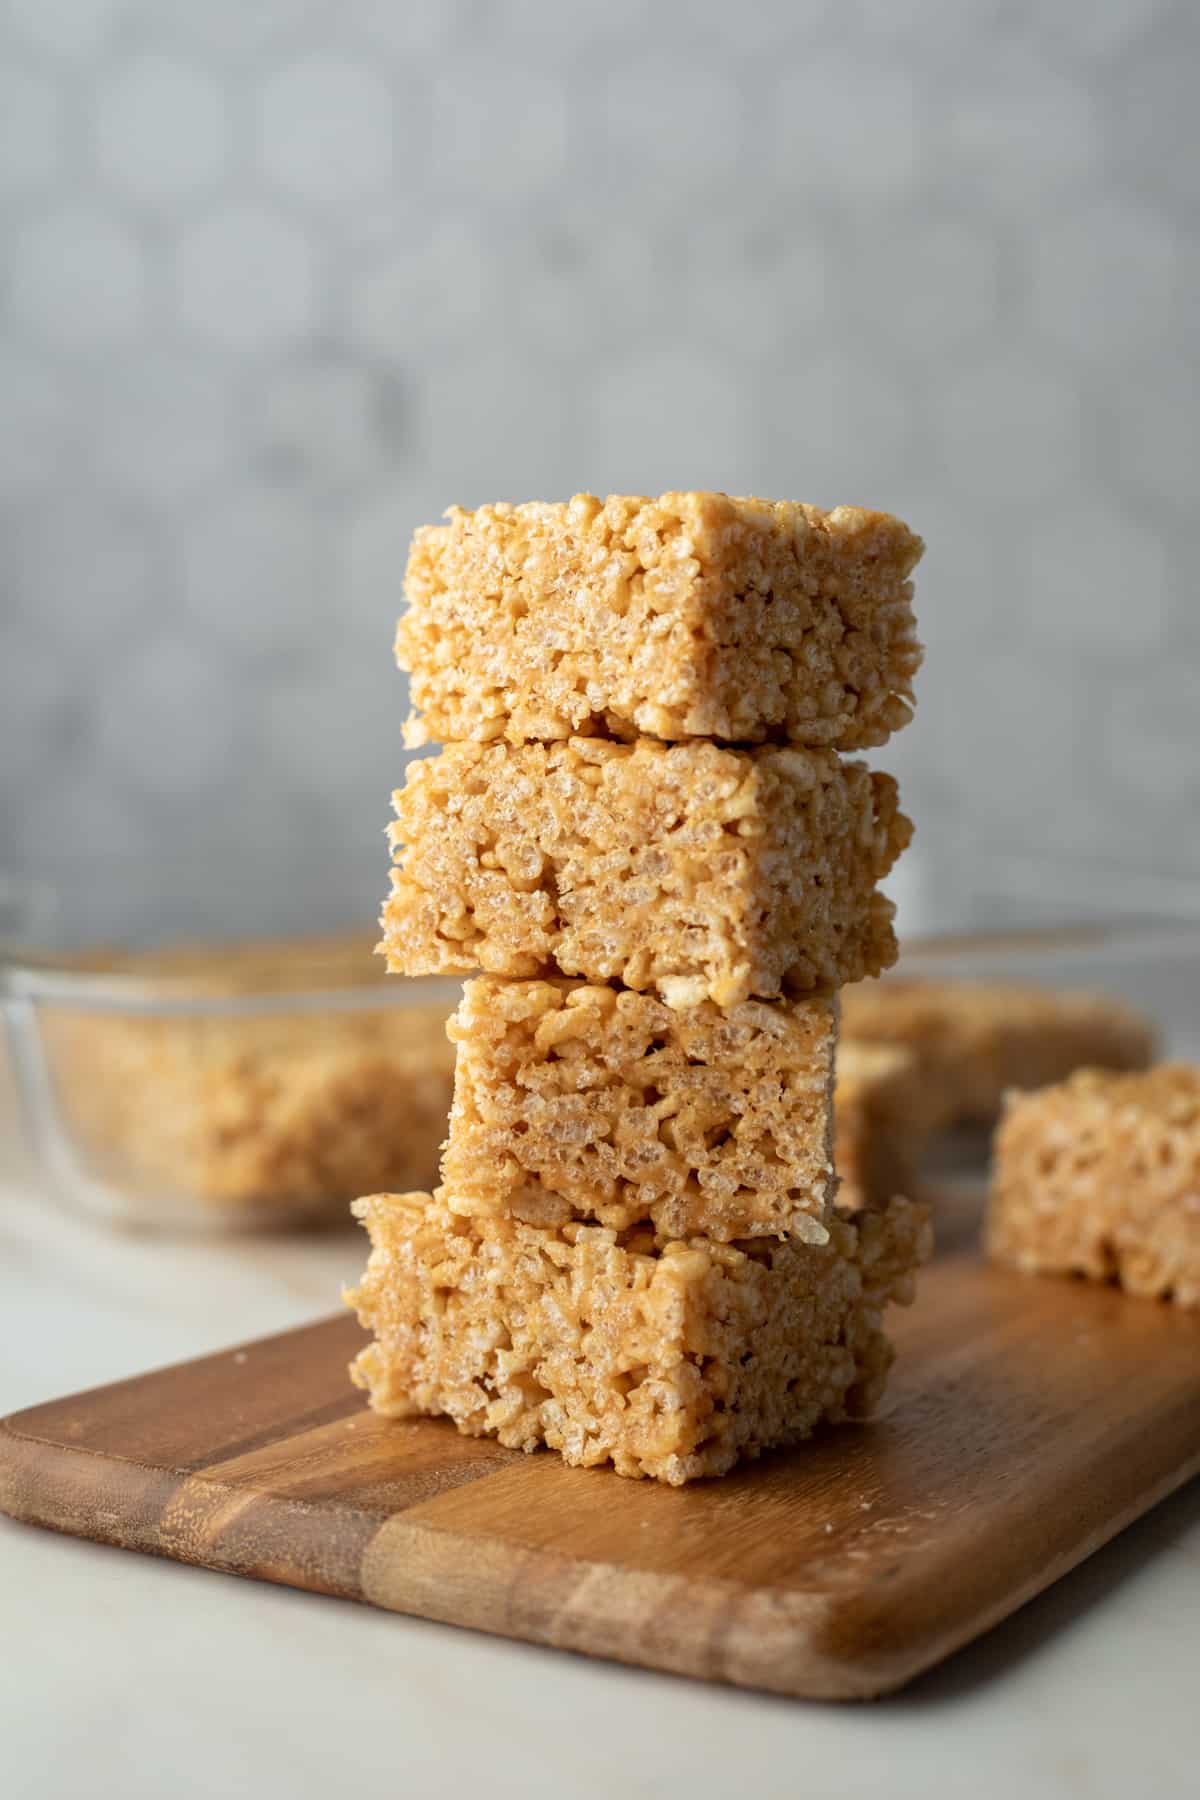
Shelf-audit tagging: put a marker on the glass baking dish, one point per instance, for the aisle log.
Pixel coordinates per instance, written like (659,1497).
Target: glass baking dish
(1153,965)
(1150,965)
(228,1087)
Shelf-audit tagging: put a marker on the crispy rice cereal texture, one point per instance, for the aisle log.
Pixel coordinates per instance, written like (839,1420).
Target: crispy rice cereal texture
(671,1364)
(593,1103)
(975,1040)
(1100,1176)
(699,870)
(881,1123)
(246,1115)
(254,1116)
(693,615)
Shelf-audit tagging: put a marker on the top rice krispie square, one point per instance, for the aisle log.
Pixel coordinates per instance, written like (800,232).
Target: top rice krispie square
(690,615)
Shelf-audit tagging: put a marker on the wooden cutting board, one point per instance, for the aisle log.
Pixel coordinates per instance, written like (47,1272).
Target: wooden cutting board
(1028,1421)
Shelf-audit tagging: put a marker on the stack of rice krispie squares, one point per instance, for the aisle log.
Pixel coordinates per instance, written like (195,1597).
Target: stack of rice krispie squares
(643,831)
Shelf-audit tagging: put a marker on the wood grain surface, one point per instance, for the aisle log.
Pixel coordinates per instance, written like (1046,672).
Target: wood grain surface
(1028,1421)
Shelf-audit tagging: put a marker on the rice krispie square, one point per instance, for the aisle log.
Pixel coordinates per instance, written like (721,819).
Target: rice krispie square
(579,1102)
(698,870)
(1100,1176)
(671,1363)
(689,615)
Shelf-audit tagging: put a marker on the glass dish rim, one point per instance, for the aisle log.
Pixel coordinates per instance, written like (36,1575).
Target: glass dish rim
(42,981)
(1136,936)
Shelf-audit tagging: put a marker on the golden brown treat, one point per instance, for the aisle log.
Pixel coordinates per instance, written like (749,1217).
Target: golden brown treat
(210,1105)
(263,1117)
(690,615)
(702,871)
(670,1363)
(1100,1176)
(574,1102)
(975,1040)
(882,1119)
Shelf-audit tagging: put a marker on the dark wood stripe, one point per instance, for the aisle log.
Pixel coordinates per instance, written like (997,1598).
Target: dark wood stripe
(195,1413)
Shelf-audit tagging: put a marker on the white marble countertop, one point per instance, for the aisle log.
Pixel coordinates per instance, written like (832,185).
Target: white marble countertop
(127,1676)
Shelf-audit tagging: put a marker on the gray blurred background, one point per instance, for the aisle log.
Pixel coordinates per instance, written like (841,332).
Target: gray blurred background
(283,278)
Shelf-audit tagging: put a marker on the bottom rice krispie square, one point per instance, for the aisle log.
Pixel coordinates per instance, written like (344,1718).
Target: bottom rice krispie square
(671,1363)
(1100,1176)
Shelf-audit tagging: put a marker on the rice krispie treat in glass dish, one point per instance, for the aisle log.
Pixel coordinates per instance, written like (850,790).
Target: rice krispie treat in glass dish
(689,615)
(975,1040)
(254,1119)
(229,1085)
(672,1362)
(1100,1176)
(579,1102)
(701,871)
